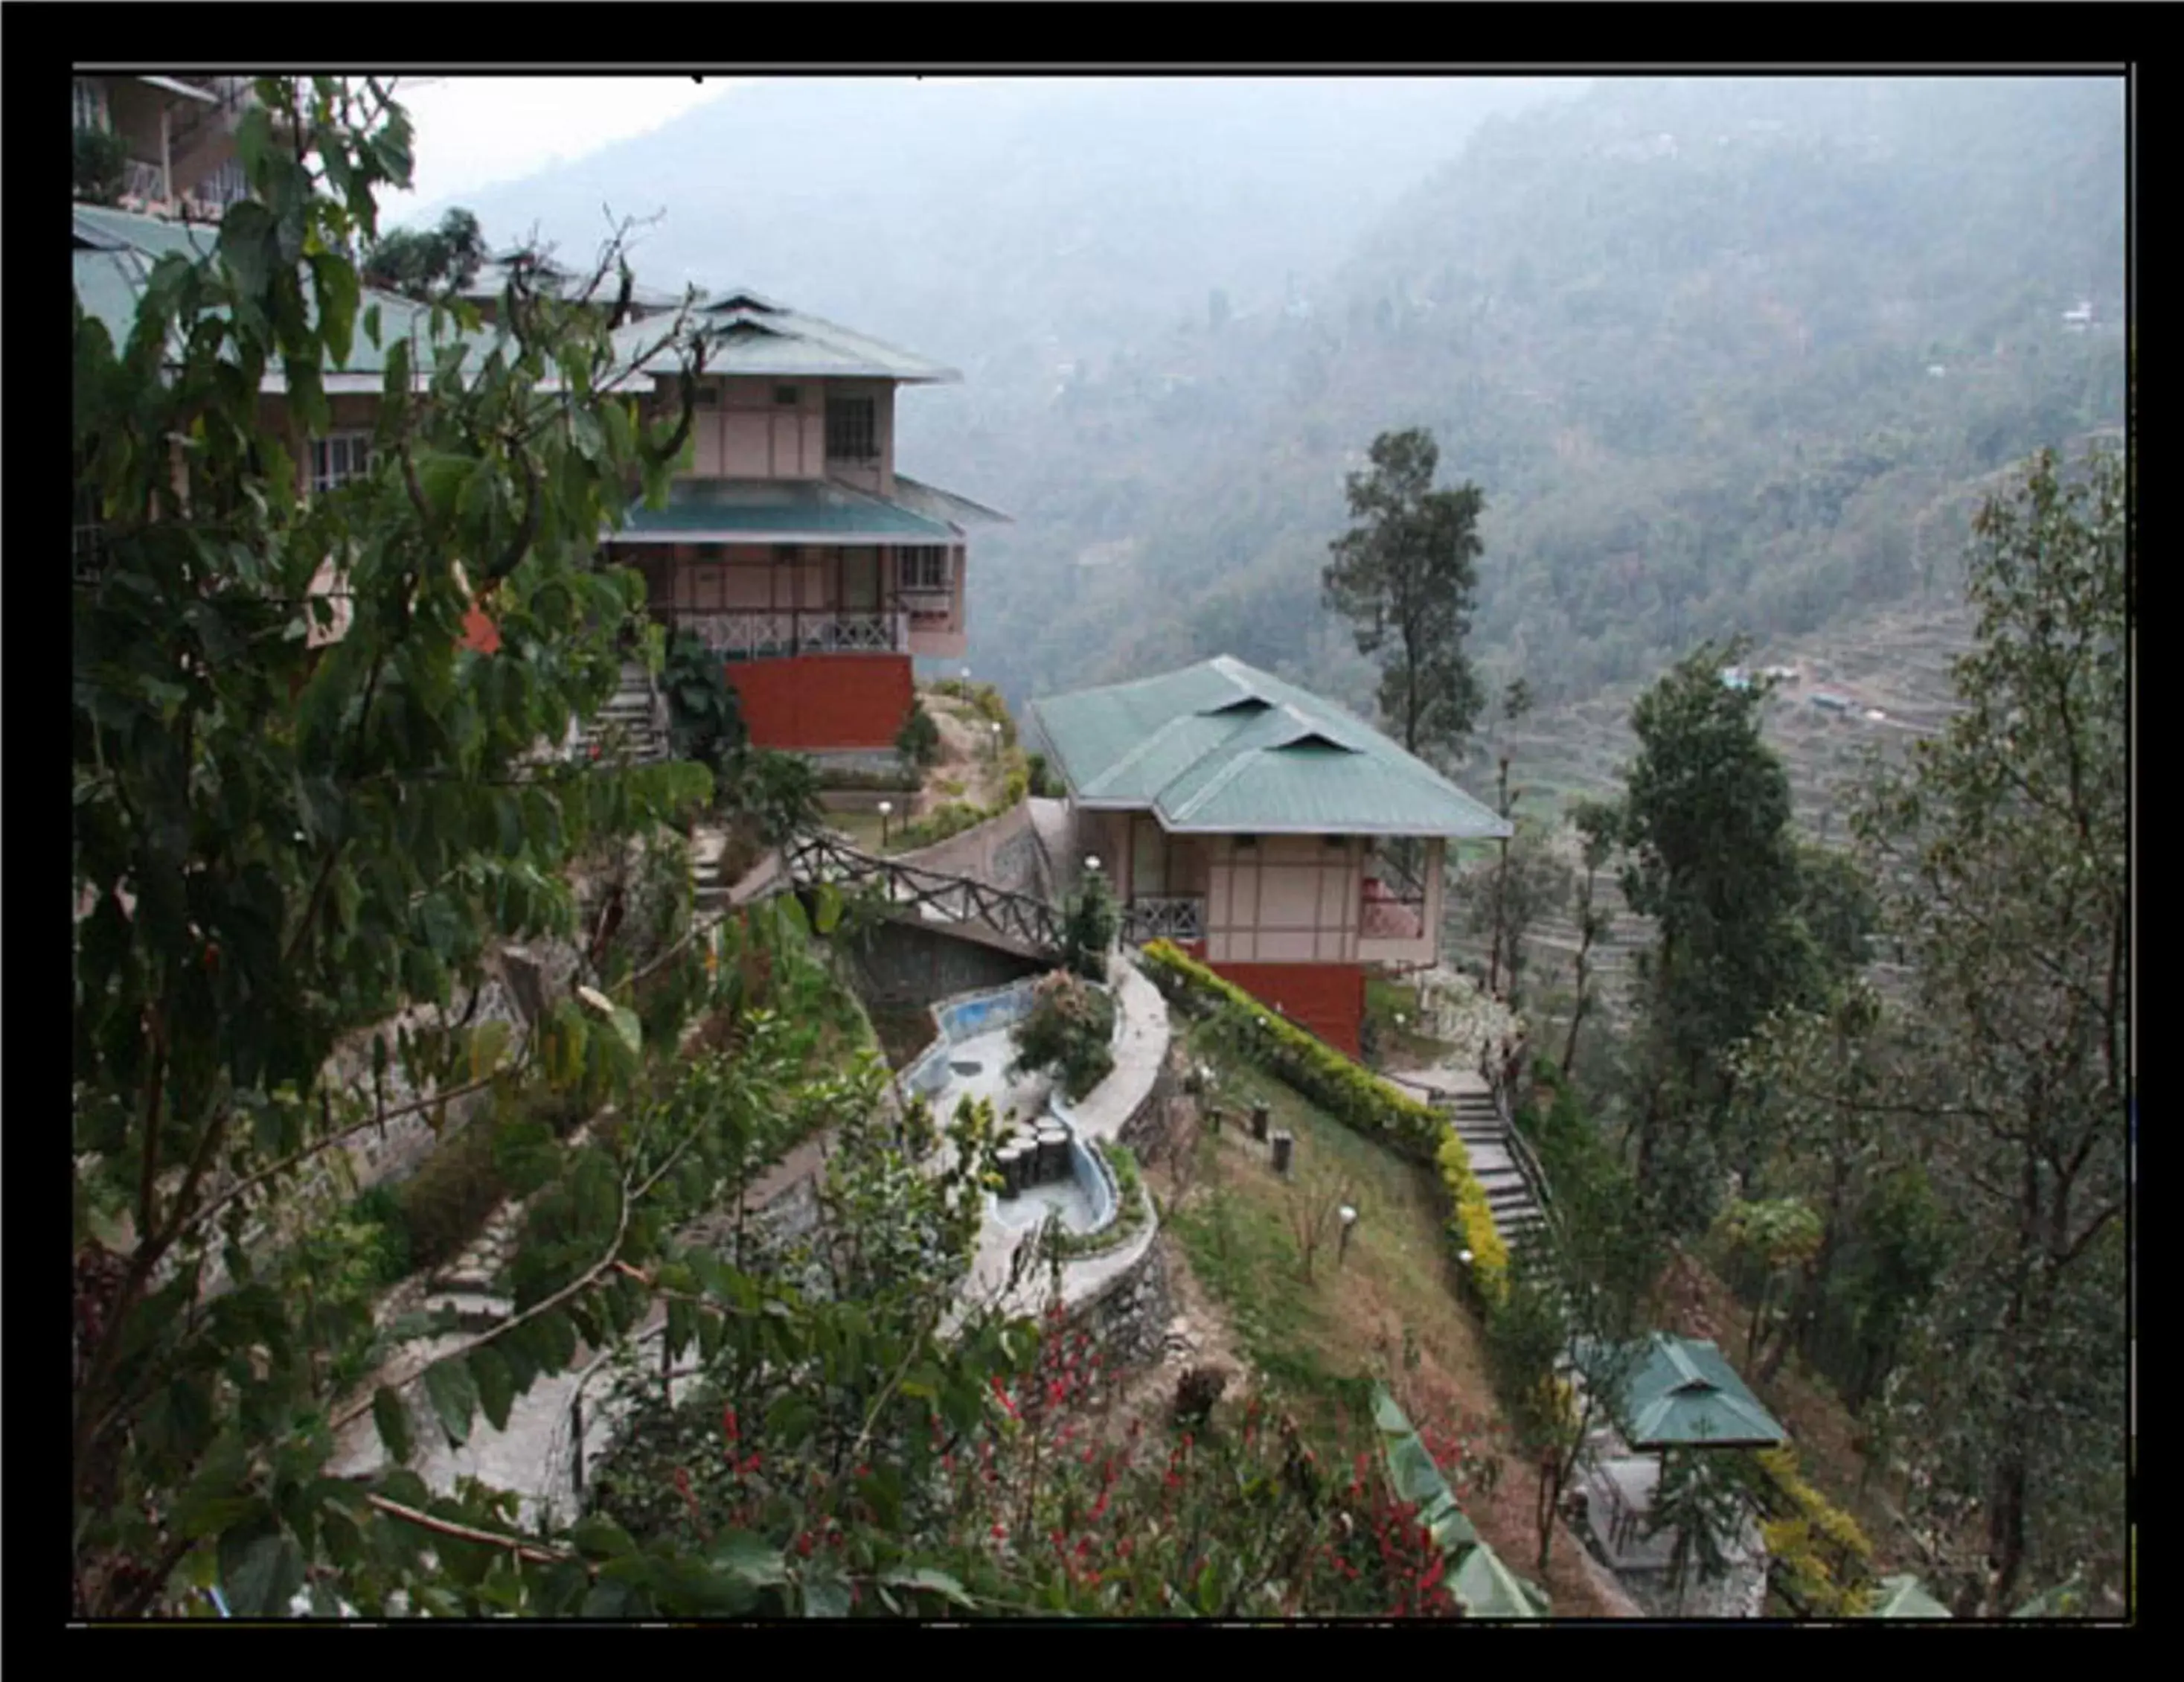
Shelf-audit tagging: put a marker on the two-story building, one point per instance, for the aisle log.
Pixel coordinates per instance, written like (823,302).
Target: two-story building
(1285,842)
(789,543)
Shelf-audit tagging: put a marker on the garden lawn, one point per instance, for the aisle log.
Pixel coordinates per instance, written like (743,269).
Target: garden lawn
(1322,1340)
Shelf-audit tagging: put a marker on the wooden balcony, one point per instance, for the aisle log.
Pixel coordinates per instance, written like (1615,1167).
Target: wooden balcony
(1164,917)
(781,633)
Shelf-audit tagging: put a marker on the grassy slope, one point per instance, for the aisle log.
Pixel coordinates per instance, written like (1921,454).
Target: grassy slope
(1230,1215)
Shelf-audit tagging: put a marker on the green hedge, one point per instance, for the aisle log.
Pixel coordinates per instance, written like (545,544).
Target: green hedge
(1361,1101)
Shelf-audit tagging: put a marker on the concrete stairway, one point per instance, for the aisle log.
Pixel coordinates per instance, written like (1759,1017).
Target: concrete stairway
(625,724)
(1509,1197)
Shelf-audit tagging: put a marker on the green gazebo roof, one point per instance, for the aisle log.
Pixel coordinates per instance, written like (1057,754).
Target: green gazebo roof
(1682,1394)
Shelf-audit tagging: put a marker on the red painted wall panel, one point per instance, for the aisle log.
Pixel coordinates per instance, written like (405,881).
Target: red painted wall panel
(1327,999)
(816,701)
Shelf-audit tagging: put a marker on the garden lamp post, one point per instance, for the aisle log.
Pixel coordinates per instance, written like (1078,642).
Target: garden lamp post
(996,738)
(1348,1216)
(886,807)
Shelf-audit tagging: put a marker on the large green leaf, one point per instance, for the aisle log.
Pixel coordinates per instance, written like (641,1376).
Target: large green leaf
(454,1397)
(260,1571)
(1417,1480)
(496,1385)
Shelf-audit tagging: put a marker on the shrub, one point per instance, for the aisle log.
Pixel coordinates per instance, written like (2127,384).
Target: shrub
(938,824)
(448,1201)
(1089,929)
(379,1210)
(918,740)
(703,720)
(1044,782)
(1827,1580)
(1067,1030)
(1354,1096)
(102,165)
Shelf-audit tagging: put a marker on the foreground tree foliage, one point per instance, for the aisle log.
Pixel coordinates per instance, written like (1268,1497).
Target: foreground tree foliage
(1405,576)
(276,848)
(429,263)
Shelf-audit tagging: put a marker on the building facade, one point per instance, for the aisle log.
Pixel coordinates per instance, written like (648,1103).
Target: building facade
(1285,843)
(790,544)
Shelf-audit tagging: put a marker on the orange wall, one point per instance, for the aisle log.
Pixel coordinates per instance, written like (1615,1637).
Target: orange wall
(823,700)
(1327,999)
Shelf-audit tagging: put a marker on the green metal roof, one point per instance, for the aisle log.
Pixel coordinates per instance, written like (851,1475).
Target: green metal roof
(748,334)
(1222,748)
(1681,1393)
(777,510)
(935,504)
(115,251)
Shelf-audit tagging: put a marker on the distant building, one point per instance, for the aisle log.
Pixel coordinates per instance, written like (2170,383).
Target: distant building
(1735,677)
(1827,701)
(2078,319)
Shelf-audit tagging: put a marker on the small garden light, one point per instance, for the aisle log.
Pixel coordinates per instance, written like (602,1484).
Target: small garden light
(1348,1216)
(886,807)
(1092,862)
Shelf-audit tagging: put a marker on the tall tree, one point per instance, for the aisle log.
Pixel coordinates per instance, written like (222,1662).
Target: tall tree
(2003,860)
(1714,863)
(1405,576)
(1599,823)
(427,262)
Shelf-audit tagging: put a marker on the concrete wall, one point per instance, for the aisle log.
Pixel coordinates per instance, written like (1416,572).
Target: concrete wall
(904,964)
(1002,852)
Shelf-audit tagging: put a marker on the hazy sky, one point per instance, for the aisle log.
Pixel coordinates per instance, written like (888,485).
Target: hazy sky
(475,130)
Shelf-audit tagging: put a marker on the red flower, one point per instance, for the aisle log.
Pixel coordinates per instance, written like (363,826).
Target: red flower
(728,1422)
(1001,1531)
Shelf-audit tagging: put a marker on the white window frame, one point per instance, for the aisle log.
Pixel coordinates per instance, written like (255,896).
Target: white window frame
(90,104)
(923,570)
(337,458)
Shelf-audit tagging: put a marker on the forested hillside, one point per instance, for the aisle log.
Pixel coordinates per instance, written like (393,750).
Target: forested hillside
(1718,355)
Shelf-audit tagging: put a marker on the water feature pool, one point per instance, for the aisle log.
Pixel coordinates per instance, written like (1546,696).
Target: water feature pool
(970,1059)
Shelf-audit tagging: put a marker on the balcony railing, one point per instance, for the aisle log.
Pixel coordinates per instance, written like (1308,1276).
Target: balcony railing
(146,181)
(1167,916)
(770,635)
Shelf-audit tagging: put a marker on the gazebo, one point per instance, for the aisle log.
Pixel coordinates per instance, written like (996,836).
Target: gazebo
(1674,1393)
(1680,1393)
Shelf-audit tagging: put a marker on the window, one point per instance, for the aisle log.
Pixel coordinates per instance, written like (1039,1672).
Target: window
(788,554)
(852,429)
(90,104)
(786,397)
(1245,842)
(707,396)
(337,460)
(922,567)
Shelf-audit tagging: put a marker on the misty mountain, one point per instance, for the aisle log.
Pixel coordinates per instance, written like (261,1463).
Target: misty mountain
(1718,351)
